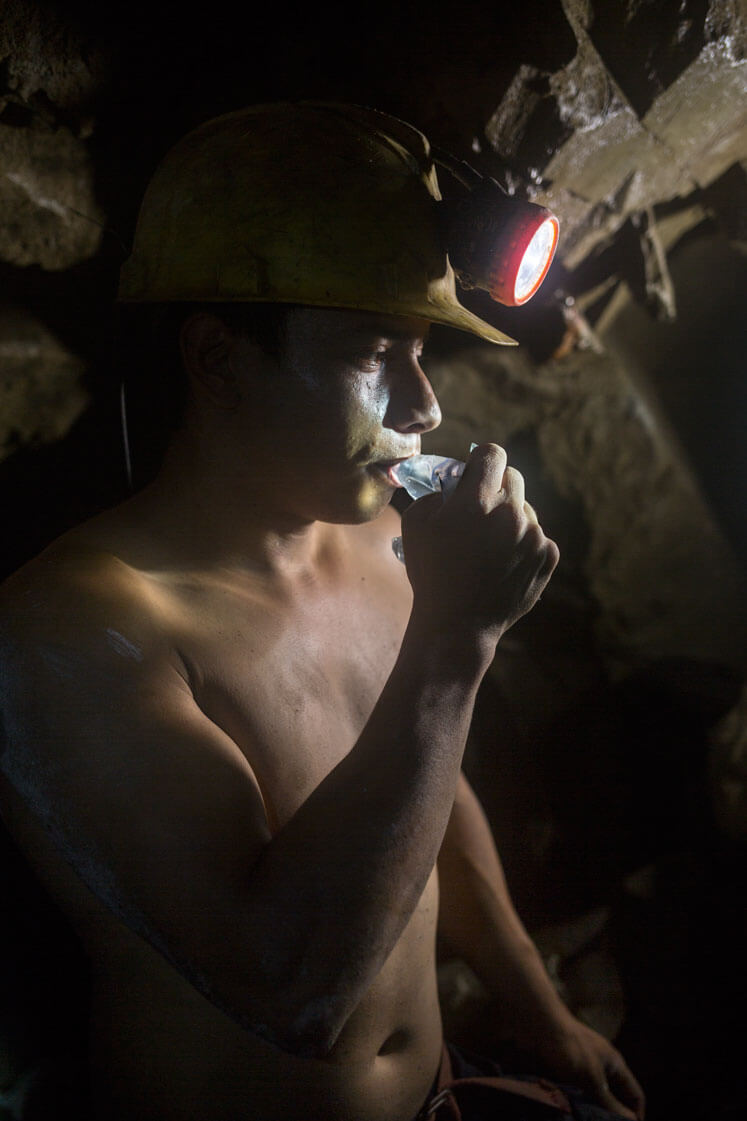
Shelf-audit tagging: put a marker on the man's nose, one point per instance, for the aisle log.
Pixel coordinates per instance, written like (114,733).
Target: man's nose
(412,403)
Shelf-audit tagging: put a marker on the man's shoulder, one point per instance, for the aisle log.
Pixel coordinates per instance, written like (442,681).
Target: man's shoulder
(80,640)
(74,587)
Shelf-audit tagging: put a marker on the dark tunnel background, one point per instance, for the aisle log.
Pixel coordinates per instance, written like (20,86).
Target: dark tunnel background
(610,739)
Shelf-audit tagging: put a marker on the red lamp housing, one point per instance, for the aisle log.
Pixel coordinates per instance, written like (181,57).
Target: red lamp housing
(501,244)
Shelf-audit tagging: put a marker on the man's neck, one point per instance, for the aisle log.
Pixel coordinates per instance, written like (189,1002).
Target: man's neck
(214,518)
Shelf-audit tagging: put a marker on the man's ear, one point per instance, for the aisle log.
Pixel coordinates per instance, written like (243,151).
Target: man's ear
(206,344)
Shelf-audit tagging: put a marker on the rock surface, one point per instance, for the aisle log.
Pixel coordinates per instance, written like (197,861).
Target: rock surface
(631,131)
(41,394)
(50,214)
(52,69)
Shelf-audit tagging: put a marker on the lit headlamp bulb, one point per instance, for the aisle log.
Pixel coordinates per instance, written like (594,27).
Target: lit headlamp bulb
(522,257)
(536,260)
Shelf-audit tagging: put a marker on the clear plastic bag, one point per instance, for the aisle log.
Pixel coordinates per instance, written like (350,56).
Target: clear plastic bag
(427,474)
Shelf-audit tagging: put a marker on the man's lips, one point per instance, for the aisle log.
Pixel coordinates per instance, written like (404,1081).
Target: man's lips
(388,468)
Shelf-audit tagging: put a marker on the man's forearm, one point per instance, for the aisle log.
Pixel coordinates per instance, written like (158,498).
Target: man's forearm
(478,918)
(332,892)
(479,921)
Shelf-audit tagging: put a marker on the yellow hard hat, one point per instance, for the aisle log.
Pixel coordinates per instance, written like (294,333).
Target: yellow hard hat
(304,203)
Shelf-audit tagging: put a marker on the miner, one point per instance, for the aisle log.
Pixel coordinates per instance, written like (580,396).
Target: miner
(234,721)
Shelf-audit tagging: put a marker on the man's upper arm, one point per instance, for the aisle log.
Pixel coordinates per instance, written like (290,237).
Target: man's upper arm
(154,805)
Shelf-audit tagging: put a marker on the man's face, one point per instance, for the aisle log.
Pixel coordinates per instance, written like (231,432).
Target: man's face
(346,400)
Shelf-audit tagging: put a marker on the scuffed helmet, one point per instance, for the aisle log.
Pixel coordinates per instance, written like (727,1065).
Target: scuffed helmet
(299,202)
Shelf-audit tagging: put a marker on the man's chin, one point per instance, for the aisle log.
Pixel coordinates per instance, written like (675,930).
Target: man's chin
(375,496)
(370,501)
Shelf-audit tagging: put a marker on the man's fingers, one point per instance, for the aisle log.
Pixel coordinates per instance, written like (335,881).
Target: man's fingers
(497,483)
(552,556)
(627,1088)
(484,472)
(619,1091)
(422,509)
(610,1102)
(513,485)
(544,548)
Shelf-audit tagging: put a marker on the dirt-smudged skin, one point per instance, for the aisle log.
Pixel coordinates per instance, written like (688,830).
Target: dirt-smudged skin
(167,1050)
(241,721)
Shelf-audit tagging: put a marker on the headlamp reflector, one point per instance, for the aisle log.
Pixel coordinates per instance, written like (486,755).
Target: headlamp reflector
(536,260)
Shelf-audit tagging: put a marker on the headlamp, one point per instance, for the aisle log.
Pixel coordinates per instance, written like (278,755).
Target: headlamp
(495,242)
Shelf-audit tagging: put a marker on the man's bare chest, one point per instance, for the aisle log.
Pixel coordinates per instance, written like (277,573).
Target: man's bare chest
(293,683)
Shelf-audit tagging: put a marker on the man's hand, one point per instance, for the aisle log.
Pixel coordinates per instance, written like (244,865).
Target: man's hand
(479,922)
(575,1054)
(478,559)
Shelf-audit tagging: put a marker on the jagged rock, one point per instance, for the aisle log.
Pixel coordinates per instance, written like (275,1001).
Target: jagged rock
(50,215)
(51,71)
(40,383)
(638,130)
(647,46)
(701,119)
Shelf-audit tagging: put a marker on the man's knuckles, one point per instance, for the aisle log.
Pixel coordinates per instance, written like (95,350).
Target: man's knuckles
(510,516)
(518,519)
(484,470)
(513,485)
(492,454)
(473,522)
(531,513)
(533,539)
(552,555)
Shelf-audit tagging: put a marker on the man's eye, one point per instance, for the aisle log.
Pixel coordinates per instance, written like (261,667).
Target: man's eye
(375,358)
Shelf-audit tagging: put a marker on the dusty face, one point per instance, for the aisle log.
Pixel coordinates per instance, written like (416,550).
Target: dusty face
(346,400)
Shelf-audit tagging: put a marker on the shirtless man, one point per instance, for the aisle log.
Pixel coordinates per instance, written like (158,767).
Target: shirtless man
(233,731)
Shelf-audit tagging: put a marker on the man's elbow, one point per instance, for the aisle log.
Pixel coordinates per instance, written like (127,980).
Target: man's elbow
(309,1034)
(291,1016)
